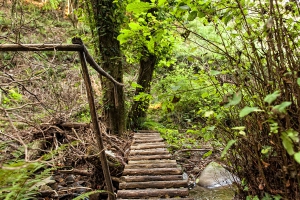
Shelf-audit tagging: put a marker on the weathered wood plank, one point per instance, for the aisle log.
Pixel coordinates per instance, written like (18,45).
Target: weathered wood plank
(152,140)
(154,184)
(153,171)
(149,152)
(150,157)
(162,199)
(150,161)
(151,165)
(149,146)
(180,192)
(151,178)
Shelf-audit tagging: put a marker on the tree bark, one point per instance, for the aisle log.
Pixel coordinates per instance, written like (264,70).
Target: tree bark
(139,108)
(108,29)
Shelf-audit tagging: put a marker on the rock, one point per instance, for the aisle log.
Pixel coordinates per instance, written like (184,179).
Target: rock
(214,175)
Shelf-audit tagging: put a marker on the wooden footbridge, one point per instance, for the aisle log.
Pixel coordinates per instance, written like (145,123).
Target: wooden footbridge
(151,173)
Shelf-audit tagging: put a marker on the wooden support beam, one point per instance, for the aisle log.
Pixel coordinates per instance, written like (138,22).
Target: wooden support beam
(180,192)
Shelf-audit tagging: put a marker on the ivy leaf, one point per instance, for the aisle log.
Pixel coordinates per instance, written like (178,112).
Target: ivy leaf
(135,85)
(138,7)
(214,72)
(297,157)
(287,143)
(184,7)
(236,99)
(272,97)
(247,110)
(192,15)
(281,107)
(229,144)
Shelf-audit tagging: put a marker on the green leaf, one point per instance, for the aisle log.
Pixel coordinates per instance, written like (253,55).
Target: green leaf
(229,144)
(297,157)
(192,15)
(207,154)
(272,97)
(214,72)
(135,85)
(287,143)
(240,128)
(236,99)
(161,2)
(247,110)
(138,7)
(293,135)
(298,81)
(134,26)
(184,7)
(208,113)
(281,107)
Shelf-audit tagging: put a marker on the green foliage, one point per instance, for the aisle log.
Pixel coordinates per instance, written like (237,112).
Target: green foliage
(87,194)
(19,178)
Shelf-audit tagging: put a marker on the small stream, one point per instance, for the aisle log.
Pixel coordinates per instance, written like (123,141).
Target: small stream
(214,183)
(220,193)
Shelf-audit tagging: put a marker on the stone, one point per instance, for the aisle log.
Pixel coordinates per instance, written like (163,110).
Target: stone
(214,175)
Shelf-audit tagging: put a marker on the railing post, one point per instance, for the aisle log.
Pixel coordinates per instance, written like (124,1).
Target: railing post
(97,130)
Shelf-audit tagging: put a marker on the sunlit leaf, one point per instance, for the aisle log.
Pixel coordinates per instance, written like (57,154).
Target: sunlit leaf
(229,144)
(287,143)
(240,128)
(281,107)
(135,85)
(214,72)
(247,110)
(297,157)
(272,97)
(208,113)
(207,154)
(298,81)
(236,99)
(184,7)
(138,7)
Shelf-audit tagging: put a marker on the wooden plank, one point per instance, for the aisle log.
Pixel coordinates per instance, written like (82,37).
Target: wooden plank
(150,157)
(149,152)
(149,146)
(152,140)
(163,199)
(180,192)
(150,161)
(151,165)
(153,171)
(151,178)
(153,184)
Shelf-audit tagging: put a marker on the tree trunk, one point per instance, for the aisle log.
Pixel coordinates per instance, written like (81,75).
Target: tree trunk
(139,108)
(108,29)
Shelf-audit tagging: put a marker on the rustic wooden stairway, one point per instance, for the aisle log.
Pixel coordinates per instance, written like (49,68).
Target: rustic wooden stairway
(150,172)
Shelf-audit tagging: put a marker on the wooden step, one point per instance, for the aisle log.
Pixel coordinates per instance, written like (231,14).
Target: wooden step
(153,184)
(173,192)
(151,161)
(151,178)
(151,165)
(150,140)
(153,171)
(149,152)
(149,157)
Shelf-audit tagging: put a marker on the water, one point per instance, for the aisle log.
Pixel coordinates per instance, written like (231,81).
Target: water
(219,193)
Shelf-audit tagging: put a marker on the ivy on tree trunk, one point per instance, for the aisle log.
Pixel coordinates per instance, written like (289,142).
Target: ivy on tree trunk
(108,29)
(139,108)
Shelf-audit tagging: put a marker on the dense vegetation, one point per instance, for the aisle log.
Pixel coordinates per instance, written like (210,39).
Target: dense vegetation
(220,72)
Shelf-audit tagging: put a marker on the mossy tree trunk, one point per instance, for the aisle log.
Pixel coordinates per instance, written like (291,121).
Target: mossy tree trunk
(139,108)
(108,27)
